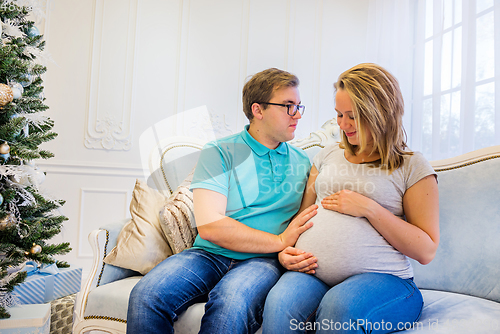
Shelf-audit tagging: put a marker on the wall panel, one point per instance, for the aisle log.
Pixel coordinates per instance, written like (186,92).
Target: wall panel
(213,57)
(116,200)
(111,79)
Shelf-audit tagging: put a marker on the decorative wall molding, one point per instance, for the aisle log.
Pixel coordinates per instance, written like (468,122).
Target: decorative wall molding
(111,78)
(206,125)
(93,169)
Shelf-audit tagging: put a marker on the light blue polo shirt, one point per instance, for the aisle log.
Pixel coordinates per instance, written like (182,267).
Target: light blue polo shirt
(263,187)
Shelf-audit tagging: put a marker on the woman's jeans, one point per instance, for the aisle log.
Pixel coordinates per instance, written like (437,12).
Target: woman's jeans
(364,303)
(235,292)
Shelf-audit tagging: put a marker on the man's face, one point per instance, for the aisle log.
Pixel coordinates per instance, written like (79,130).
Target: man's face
(279,126)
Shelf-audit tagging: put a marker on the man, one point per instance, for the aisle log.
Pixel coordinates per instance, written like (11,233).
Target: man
(246,189)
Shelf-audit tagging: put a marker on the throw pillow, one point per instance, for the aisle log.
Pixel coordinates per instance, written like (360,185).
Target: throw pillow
(177,218)
(141,244)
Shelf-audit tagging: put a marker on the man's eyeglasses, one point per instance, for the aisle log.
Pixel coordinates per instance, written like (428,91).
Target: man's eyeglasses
(291,109)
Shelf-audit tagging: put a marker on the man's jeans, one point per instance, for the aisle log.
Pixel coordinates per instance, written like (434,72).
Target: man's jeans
(364,303)
(235,292)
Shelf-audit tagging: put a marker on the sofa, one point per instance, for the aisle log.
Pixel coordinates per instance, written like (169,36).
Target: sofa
(460,286)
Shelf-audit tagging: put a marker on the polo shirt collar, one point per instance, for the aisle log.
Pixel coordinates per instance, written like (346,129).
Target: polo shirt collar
(257,147)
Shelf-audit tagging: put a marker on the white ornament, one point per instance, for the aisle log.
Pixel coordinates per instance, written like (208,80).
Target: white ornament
(37,177)
(17,90)
(11,30)
(21,179)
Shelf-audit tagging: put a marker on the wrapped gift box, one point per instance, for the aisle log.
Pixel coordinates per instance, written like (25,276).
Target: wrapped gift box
(61,315)
(26,319)
(44,288)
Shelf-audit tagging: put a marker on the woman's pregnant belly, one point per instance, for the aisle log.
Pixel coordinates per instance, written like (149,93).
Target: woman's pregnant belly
(346,246)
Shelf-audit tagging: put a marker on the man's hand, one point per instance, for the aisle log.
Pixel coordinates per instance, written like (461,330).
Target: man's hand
(297,226)
(297,260)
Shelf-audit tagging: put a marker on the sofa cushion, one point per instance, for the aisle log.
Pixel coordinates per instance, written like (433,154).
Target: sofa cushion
(110,302)
(141,244)
(444,312)
(447,312)
(469,252)
(177,217)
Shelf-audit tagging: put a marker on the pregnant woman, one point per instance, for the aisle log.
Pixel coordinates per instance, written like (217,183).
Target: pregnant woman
(378,205)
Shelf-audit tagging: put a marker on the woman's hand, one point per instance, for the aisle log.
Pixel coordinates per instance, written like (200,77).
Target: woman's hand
(347,202)
(297,260)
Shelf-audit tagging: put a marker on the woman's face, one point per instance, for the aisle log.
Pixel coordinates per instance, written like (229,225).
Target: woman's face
(346,119)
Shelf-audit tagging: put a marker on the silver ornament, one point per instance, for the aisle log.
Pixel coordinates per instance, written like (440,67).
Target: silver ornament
(36,249)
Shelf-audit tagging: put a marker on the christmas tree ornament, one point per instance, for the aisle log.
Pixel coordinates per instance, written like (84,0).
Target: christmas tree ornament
(28,80)
(33,31)
(36,249)
(23,179)
(5,156)
(17,90)
(11,30)
(37,177)
(15,269)
(7,221)
(1,199)
(6,95)
(4,148)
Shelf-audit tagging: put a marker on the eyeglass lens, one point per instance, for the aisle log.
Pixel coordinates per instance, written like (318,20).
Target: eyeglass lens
(292,109)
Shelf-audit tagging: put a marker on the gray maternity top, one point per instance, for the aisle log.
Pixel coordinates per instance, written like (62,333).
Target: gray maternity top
(345,245)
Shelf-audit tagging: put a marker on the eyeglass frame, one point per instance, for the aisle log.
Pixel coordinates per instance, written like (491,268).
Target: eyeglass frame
(297,107)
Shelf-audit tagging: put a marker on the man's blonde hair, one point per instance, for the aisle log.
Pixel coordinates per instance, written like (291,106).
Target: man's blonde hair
(378,106)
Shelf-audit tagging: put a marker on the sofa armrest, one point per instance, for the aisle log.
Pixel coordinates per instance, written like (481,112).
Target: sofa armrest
(98,240)
(101,241)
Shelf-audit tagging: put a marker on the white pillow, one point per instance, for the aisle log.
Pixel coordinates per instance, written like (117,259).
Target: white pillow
(141,244)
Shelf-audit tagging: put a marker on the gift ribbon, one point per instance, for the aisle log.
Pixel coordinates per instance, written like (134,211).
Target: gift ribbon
(32,268)
(49,271)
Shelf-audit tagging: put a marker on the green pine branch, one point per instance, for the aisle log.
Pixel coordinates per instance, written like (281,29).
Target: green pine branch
(24,130)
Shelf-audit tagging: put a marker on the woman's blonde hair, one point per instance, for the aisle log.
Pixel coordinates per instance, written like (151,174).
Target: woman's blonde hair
(378,105)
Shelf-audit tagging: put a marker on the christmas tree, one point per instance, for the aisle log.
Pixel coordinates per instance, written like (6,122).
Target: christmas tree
(28,218)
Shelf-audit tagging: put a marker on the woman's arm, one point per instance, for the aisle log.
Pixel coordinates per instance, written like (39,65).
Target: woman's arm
(309,197)
(418,237)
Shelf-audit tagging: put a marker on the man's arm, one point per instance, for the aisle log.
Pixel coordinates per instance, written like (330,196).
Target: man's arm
(214,226)
(293,258)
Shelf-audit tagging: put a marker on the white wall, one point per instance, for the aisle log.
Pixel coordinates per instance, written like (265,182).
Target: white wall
(121,66)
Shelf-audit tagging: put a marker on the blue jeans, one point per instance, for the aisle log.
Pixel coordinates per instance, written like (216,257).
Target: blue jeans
(364,303)
(235,292)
